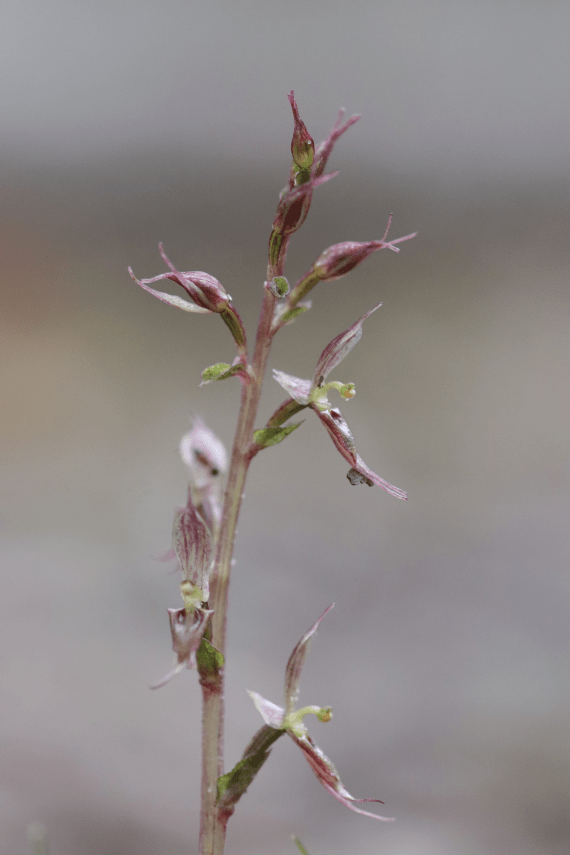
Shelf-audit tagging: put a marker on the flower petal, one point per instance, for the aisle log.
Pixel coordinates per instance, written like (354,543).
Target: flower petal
(270,712)
(329,777)
(298,388)
(295,665)
(338,348)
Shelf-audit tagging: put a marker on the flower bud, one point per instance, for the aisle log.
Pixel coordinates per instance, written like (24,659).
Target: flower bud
(302,144)
(294,205)
(204,289)
(341,258)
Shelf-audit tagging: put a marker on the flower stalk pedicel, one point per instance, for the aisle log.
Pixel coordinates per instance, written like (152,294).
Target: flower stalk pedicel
(204,530)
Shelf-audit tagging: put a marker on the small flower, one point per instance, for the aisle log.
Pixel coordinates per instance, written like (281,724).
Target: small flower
(314,394)
(290,720)
(206,459)
(192,545)
(187,630)
(294,205)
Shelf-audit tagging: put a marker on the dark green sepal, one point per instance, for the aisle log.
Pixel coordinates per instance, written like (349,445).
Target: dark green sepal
(233,785)
(272,435)
(209,660)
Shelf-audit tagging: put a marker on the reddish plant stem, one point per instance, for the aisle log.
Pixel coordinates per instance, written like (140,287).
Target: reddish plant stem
(212,823)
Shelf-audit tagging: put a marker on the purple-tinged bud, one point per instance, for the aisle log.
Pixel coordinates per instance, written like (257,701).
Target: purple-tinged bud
(164,296)
(207,293)
(204,289)
(294,205)
(302,144)
(341,258)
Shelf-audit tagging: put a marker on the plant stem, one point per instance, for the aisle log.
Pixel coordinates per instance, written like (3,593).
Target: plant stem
(212,823)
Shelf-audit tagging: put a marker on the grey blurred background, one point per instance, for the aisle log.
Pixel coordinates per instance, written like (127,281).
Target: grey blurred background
(446,658)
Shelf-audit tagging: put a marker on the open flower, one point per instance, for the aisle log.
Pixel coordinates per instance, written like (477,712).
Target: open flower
(207,461)
(192,545)
(289,719)
(314,394)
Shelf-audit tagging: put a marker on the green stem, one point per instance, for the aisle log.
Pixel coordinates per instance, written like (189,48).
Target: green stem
(213,822)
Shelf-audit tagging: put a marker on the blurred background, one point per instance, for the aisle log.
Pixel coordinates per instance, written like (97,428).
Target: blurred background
(446,659)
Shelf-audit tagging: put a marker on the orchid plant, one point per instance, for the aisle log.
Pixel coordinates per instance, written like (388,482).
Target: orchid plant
(204,529)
